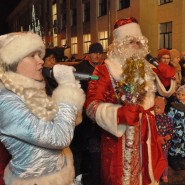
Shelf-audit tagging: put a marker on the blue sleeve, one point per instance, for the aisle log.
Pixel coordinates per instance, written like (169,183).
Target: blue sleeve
(17,121)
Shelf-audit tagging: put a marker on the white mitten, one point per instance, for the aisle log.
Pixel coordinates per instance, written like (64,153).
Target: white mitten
(64,74)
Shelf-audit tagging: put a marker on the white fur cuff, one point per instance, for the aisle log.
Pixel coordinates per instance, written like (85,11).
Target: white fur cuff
(161,89)
(69,94)
(106,117)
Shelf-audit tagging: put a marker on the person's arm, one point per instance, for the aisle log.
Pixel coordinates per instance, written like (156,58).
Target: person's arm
(166,71)
(165,81)
(19,122)
(111,117)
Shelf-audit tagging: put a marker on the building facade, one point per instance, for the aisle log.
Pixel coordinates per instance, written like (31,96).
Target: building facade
(75,24)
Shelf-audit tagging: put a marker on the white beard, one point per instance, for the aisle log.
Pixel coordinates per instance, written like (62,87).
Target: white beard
(130,52)
(123,49)
(120,64)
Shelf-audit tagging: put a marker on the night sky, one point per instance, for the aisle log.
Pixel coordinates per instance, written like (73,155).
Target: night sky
(6,7)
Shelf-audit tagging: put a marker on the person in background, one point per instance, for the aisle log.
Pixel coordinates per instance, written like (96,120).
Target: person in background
(165,128)
(36,129)
(175,59)
(91,60)
(167,79)
(121,103)
(86,142)
(177,114)
(50,60)
(182,63)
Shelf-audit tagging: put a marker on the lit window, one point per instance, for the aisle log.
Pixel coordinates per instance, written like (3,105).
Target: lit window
(165,38)
(63,42)
(74,45)
(103,39)
(86,43)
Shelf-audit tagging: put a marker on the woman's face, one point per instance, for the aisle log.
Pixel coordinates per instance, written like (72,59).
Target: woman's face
(165,59)
(176,59)
(31,66)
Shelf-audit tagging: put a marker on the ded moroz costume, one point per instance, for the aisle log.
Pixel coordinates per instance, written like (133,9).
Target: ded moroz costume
(121,102)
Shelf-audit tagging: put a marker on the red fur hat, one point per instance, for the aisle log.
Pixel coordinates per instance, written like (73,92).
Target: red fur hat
(126,27)
(162,52)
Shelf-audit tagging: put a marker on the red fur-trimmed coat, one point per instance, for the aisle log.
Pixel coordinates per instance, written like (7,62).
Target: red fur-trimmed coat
(102,106)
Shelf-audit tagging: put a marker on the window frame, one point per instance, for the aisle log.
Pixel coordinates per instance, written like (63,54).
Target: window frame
(102,7)
(165,35)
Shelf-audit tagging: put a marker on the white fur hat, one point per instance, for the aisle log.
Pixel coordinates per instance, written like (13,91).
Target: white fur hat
(126,27)
(15,46)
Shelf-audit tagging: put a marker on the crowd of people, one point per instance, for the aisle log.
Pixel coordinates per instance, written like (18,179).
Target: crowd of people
(123,129)
(170,110)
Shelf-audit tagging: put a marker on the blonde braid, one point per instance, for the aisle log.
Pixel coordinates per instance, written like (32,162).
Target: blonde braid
(36,100)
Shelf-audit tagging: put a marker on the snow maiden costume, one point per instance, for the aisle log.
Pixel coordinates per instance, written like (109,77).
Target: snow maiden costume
(125,87)
(36,129)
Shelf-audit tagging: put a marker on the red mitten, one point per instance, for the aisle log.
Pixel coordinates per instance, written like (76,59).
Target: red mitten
(166,71)
(167,137)
(161,139)
(128,114)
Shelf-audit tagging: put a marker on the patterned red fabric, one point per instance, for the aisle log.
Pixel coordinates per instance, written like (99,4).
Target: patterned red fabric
(112,147)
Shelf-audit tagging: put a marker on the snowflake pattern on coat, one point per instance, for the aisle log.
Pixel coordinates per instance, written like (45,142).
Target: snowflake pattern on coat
(177,113)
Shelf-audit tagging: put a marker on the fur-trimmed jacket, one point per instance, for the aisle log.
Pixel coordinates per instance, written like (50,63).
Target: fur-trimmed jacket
(118,166)
(37,131)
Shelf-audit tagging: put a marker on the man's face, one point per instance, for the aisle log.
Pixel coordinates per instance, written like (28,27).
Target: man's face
(95,57)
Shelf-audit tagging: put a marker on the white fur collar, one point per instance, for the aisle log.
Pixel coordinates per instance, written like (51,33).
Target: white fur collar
(30,92)
(25,82)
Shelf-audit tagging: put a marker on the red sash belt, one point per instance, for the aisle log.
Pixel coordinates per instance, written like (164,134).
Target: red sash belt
(158,161)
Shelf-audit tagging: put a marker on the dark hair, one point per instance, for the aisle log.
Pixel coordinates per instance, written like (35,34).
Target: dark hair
(59,53)
(96,48)
(49,51)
